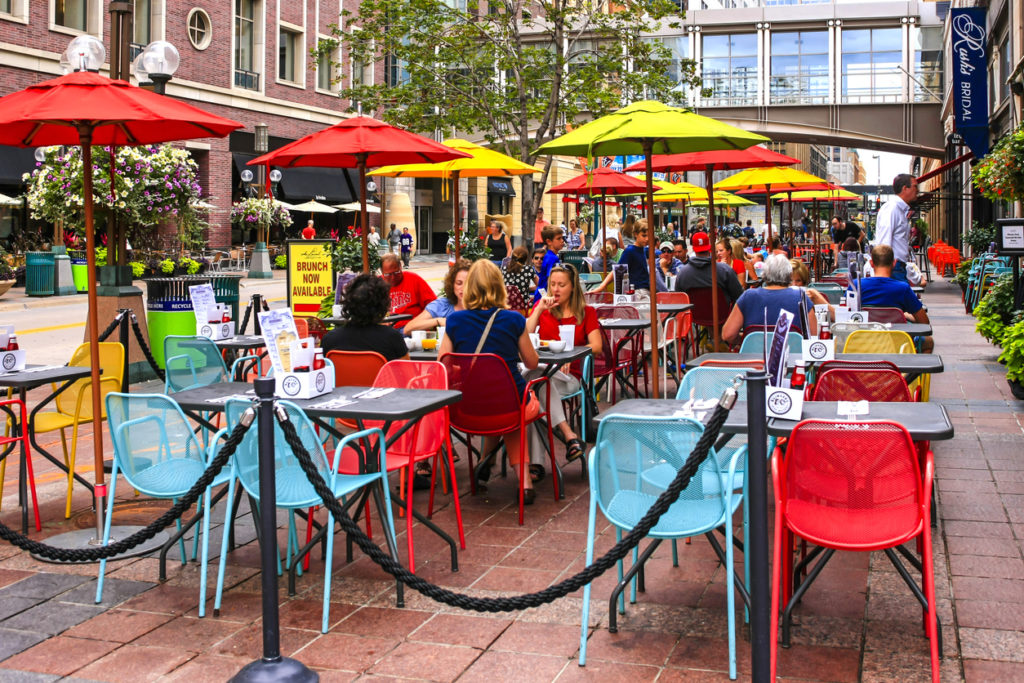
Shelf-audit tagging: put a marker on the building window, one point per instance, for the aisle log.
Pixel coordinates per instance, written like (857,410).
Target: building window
(729,65)
(327,55)
(289,51)
(799,67)
(246,75)
(199,29)
(1003,87)
(871,65)
(396,71)
(6,6)
(927,82)
(72,14)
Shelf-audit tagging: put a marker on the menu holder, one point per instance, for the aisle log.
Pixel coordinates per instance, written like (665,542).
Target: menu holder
(12,361)
(784,404)
(210,315)
(624,299)
(304,384)
(819,350)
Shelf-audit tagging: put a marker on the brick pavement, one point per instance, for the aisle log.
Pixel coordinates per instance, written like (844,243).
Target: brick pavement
(859,623)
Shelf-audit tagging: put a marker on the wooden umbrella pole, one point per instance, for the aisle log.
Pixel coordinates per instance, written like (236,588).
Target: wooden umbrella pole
(816,237)
(85,138)
(715,332)
(361,160)
(455,209)
(768,215)
(792,228)
(652,266)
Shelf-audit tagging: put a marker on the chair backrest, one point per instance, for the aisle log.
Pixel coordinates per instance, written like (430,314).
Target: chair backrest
(616,311)
(733,364)
(709,382)
(842,331)
(516,299)
(594,298)
(863,364)
(156,449)
(428,433)
(356,368)
(829,290)
(301,327)
(192,362)
(112,366)
(754,341)
(861,384)
(700,297)
(885,314)
(879,341)
(292,487)
(490,400)
(315,328)
(672,298)
(635,458)
(859,482)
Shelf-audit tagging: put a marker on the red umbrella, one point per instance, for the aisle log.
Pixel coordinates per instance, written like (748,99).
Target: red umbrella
(359,142)
(89,109)
(709,162)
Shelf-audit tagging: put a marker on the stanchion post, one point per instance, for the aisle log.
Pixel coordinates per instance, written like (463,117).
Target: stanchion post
(257,306)
(757,543)
(272,667)
(123,331)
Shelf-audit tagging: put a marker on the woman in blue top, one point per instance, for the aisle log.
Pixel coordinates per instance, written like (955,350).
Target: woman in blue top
(450,300)
(484,298)
(761,306)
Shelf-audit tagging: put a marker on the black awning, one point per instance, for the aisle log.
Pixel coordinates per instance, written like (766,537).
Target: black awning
(240,160)
(500,186)
(327,185)
(14,162)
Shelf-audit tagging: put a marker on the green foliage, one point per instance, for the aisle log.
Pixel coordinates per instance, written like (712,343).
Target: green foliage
(167,266)
(101,256)
(281,261)
(1000,175)
(347,254)
(517,75)
(995,310)
(190,266)
(963,273)
(979,237)
(472,248)
(1013,352)
(6,272)
(138,269)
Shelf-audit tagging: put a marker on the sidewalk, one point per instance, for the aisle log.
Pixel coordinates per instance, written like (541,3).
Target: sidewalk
(858,623)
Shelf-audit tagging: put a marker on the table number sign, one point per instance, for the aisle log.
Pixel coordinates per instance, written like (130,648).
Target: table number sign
(819,350)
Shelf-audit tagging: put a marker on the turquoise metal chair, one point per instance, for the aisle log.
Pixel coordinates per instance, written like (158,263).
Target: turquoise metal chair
(294,491)
(634,460)
(753,342)
(830,290)
(196,362)
(161,457)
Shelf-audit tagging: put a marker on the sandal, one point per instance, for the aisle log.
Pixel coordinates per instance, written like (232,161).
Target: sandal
(573,449)
(537,473)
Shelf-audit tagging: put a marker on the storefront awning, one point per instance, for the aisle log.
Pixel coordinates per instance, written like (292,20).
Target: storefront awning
(15,162)
(500,186)
(325,185)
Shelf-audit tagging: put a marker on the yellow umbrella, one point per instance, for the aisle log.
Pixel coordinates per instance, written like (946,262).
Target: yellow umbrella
(836,195)
(684,191)
(765,180)
(480,163)
(724,199)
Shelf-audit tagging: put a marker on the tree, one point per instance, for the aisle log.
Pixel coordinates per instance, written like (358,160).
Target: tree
(512,72)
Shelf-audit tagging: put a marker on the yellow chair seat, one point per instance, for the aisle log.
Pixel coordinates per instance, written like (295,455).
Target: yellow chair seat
(52,421)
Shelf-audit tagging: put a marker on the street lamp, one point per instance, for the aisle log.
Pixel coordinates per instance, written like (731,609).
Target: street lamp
(156,64)
(84,53)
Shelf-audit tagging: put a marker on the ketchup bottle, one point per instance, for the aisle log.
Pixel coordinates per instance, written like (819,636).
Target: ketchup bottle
(12,345)
(825,333)
(799,376)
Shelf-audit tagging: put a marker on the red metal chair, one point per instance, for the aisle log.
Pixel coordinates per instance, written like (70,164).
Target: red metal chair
(595,298)
(737,364)
(424,440)
(15,410)
(621,352)
(886,314)
(861,384)
(853,486)
(315,328)
(491,406)
(702,311)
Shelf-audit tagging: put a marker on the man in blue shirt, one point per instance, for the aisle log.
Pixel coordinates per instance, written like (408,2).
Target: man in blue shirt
(634,257)
(883,290)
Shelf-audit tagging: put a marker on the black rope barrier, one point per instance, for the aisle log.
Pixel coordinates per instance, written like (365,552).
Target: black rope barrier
(145,534)
(110,328)
(245,318)
(527,600)
(145,349)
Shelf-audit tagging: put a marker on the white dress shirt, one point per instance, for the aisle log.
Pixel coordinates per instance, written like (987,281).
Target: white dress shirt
(893,228)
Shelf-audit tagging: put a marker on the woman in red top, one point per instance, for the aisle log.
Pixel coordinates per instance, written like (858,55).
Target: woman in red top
(726,253)
(564,305)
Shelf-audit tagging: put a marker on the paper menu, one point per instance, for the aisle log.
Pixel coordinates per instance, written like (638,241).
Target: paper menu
(279,332)
(779,349)
(203,301)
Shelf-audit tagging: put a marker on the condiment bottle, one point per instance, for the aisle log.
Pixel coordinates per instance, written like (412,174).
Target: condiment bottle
(12,344)
(825,333)
(799,375)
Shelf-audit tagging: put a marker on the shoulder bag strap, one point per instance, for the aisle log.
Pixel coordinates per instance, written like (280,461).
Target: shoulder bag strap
(487,330)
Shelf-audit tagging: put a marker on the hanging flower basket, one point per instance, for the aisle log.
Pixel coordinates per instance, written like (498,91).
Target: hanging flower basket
(1000,175)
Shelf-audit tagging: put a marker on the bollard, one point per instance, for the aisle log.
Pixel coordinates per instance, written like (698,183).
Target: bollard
(272,667)
(757,543)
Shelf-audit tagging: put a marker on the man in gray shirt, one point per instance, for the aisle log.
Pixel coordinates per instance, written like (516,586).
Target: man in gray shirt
(696,273)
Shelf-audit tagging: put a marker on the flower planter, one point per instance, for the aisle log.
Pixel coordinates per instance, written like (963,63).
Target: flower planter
(1017,389)
(5,285)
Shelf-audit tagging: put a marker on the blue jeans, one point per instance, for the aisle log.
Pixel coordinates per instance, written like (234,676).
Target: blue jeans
(899,271)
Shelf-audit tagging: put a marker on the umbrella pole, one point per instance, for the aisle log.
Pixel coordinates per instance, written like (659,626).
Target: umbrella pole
(708,181)
(792,228)
(361,160)
(85,138)
(816,238)
(604,231)
(768,214)
(652,265)
(455,209)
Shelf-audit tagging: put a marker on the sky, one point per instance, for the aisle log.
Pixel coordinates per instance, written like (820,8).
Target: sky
(891,165)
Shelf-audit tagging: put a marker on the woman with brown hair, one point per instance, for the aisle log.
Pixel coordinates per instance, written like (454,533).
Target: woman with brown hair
(449,301)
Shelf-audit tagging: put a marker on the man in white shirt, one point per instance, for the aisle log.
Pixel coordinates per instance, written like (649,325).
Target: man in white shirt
(893,227)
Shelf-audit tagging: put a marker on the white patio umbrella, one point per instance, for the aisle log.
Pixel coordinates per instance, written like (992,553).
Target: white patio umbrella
(312,206)
(354,206)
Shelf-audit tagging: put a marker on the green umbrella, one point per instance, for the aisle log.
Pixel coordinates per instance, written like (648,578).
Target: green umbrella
(650,128)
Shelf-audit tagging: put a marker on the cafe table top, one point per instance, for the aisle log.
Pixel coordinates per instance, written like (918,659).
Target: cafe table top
(670,308)
(241,342)
(399,404)
(924,421)
(624,323)
(37,375)
(905,362)
(913,329)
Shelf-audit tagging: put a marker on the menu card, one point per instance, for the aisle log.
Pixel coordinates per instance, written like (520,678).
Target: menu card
(203,302)
(778,349)
(279,332)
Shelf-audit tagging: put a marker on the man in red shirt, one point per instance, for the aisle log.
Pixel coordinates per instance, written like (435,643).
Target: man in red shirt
(538,228)
(410,293)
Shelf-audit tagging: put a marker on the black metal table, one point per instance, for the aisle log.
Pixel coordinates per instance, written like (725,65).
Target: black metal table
(242,342)
(388,319)
(910,363)
(31,377)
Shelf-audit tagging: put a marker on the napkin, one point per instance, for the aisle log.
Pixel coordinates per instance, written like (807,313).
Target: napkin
(375,392)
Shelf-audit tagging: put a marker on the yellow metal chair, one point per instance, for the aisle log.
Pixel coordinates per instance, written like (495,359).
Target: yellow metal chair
(74,405)
(887,341)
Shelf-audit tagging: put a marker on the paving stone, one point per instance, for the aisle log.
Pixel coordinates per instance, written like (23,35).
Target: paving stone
(115,591)
(52,617)
(14,641)
(10,606)
(43,585)
(12,676)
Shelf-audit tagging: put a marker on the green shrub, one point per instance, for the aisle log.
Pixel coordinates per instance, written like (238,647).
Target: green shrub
(138,269)
(167,266)
(979,237)
(190,266)
(995,311)
(1013,352)
(280,261)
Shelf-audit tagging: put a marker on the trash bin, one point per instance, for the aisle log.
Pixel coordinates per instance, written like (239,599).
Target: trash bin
(225,288)
(80,274)
(169,310)
(39,273)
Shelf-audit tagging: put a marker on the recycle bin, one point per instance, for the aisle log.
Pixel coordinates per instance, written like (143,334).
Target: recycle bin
(39,267)
(80,274)
(169,310)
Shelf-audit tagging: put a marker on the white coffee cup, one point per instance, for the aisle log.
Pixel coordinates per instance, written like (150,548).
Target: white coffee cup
(567,333)
(336,311)
(418,336)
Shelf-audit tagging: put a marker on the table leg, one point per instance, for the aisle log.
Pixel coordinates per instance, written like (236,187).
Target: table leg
(23,472)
